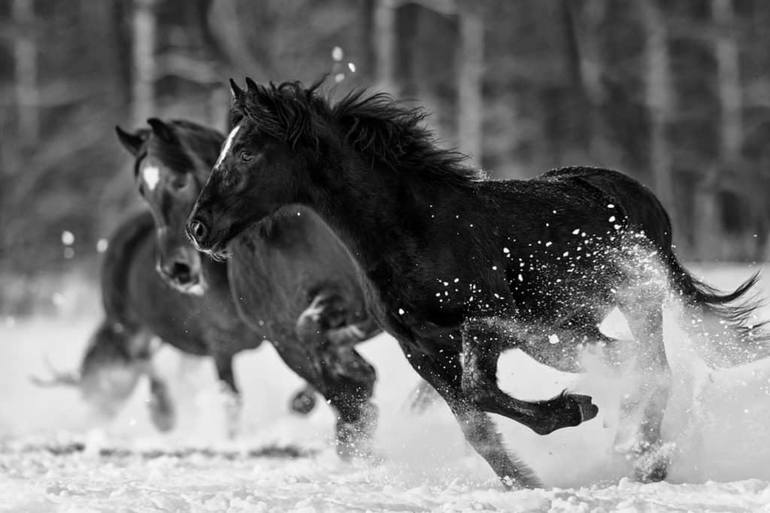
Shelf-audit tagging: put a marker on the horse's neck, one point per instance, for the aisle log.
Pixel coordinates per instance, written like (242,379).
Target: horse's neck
(292,227)
(368,209)
(214,272)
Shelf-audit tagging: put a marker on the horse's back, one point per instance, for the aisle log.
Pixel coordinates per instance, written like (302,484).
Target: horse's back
(640,206)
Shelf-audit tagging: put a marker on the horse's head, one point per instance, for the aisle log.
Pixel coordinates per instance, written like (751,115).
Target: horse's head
(260,168)
(172,160)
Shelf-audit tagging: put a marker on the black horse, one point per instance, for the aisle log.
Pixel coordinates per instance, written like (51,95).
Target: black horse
(290,278)
(140,308)
(459,268)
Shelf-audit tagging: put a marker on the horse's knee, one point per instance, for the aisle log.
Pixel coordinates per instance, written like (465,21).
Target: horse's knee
(308,328)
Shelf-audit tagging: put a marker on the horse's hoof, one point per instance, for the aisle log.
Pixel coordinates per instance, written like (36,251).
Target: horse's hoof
(303,402)
(567,410)
(652,462)
(652,475)
(586,407)
(521,482)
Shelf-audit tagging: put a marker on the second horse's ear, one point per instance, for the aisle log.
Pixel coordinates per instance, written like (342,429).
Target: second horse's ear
(130,141)
(161,129)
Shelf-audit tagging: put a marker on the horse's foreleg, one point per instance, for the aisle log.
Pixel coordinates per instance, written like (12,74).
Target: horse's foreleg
(161,405)
(232,402)
(478,429)
(643,409)
(482,345)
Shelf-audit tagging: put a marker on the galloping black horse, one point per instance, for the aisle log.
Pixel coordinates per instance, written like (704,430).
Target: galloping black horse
(289,277)
(459,268)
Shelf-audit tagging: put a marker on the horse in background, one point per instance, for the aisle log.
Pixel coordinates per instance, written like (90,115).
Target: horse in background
(460,268)
(141,308)
(290,279)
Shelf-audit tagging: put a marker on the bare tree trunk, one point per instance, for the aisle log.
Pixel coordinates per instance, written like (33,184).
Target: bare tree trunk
(25,57)
(730,129)
(729,81)
(659,99)
(385,44)
(224,32)
(469,80)
(144,30)
(585,35)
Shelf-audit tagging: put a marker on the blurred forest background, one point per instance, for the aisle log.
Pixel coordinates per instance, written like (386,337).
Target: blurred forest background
(676,94)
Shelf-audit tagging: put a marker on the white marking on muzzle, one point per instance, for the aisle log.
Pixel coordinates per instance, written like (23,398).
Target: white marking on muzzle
(226,147)
(151,176)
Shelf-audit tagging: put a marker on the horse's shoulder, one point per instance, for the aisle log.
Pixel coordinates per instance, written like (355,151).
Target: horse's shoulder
(130,234)
(121,256)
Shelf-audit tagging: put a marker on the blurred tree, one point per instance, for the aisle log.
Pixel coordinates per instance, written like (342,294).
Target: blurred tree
(384,36)
(25,55)
(470,69)
(144,28)
(659,100)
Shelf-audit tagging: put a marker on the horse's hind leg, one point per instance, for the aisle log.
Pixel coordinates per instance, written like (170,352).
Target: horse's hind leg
(476,425)
(422,397)
(482,345)
(642,410)
(224,366)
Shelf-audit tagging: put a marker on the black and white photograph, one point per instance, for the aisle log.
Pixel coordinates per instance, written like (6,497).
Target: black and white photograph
(384,256)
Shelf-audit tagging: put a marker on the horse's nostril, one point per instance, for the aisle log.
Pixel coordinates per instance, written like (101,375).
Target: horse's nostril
(181,272)
(198,230)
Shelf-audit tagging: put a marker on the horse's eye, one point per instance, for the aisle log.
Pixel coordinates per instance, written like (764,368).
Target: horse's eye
(179,184)
(246,156)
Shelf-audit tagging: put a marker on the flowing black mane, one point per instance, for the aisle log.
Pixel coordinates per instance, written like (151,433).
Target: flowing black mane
(375,125)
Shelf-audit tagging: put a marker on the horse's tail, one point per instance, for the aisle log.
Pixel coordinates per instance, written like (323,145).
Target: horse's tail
(118,257)
(739,338)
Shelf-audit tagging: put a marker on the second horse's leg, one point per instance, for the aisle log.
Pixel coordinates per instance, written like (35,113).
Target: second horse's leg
(161,405)
(233,403)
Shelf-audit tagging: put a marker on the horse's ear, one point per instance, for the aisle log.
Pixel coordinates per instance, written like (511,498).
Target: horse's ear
(251,86)
(236,91)
(161,129)
(131,142)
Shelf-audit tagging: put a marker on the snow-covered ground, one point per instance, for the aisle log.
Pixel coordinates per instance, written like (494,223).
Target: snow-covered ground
(56,456)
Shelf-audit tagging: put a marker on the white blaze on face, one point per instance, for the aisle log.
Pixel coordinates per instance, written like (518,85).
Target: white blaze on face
(227,145)
(151,176)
